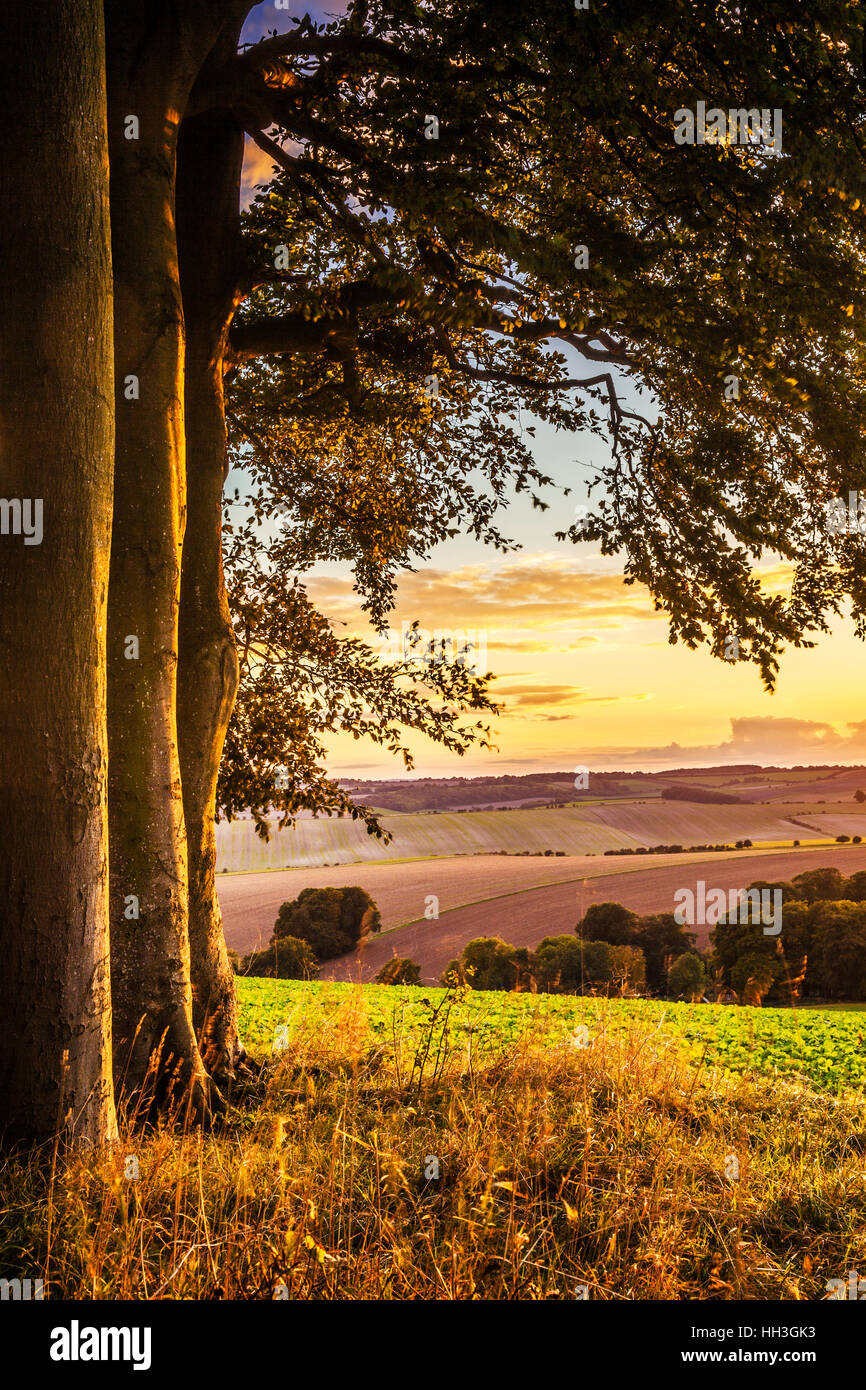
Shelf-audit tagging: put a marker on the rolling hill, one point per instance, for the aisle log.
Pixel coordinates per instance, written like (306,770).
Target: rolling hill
(521,900)
(590,828)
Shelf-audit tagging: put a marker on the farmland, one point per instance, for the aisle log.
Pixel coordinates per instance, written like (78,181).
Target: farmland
(250,902)
(823,1047)
(520,899)
(746,782)
(588,828)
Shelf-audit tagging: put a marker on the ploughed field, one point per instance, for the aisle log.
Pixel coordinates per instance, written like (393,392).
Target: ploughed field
(518,899)
(589,828)
(822,1047)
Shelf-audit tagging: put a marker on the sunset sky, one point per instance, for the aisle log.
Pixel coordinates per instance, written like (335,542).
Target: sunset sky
(585,670)
(583,664)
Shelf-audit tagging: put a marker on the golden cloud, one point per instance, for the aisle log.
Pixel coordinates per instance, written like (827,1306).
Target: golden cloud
(529,695)
(507,601)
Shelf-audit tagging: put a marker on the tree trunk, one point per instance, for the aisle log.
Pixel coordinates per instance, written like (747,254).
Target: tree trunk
(209,168)
(57,436)
(154,54)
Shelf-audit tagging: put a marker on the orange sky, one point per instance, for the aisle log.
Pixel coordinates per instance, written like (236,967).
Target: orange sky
(587,675)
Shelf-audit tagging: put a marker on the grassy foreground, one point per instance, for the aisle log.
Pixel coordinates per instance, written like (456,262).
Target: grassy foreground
(826,1048)
(602,1158)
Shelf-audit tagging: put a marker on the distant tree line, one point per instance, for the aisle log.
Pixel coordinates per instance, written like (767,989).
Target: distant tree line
(819,954)
(612,951)
(684,849)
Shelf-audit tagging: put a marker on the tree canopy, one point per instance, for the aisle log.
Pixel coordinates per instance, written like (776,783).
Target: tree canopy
(455,244)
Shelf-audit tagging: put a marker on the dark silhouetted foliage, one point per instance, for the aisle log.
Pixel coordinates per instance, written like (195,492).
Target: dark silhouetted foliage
(331,920)
(288,958)
(400,970)
(687,977)
(608,922)
(490,963)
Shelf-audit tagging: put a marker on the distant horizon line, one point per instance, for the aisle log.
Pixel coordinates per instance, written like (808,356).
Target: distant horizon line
(642,771)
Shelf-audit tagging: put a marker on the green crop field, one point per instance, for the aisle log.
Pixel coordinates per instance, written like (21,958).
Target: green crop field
(824,1047)
(586,829)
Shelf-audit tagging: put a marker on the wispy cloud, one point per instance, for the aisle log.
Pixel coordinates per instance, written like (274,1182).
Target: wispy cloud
(521,696)
(512,601)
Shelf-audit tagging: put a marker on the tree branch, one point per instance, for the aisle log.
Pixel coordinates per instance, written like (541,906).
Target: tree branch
(290,333)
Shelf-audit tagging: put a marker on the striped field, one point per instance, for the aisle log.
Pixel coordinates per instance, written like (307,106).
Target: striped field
(586,829)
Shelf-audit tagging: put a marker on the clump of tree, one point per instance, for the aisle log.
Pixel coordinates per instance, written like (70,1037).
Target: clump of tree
(820,952)
(835,938)
(400,970)
(562,966)
(559,965)
(608,922)
(687,978)
(753,975)
(286,958)
(488,962)
(332,921)
(813,885)
(663,940)
(565,965)
(659,938)
(614,950)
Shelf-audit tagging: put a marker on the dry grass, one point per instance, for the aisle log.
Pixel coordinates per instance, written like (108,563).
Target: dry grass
(558,1167)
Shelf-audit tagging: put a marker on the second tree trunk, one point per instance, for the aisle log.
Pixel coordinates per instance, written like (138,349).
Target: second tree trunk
(209,168)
